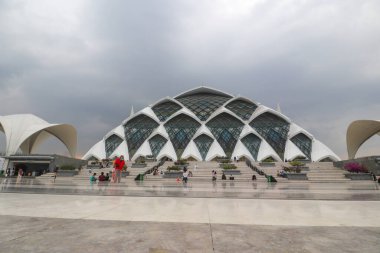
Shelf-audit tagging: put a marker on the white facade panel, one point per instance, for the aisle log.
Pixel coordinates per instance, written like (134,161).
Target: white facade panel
(241,150)
(292,151)
(214,151)
(192,151)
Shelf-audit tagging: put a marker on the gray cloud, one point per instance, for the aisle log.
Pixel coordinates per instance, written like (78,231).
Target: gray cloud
(87,62)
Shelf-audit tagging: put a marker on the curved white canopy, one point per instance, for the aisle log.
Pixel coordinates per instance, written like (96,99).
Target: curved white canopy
(27,131)
(359,132)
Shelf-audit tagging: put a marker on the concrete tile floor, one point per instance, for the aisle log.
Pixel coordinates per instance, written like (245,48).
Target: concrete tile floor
(293,217)
(27,234)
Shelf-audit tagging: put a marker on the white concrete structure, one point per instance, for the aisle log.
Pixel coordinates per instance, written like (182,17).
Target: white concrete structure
(205,123)
(24,132)
(359,132)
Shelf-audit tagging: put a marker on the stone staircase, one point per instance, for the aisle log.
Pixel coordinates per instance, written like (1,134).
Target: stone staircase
(203,172)
(318,172)
(325,172)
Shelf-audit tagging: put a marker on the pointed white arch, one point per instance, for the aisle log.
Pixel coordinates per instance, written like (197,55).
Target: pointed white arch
(27,131)
(321,151)
(168,151)
(241,150)
(358,132)
(292,151)
(98,151)
(191,151)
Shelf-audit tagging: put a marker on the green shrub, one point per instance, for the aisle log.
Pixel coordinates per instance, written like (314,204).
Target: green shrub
(173,168)
(296,163)
(67,167)
(269,160)
(292,170)
(229,166)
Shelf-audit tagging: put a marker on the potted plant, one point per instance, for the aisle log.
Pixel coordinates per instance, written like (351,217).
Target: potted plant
(269,161)
(357,171)
(139,162)
(230,169)
(181,163)
(299,165)
(173,172)
(294,173)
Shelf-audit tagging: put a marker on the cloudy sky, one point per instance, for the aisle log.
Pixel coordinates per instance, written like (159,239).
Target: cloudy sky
(86,62)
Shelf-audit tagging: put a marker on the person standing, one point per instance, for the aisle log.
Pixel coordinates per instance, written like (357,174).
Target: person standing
(185,175)
(119,165)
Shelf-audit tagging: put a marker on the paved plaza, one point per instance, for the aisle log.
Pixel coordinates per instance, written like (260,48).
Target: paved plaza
(166,216)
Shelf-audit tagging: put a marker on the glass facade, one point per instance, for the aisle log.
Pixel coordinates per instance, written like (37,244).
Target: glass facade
(242,108)
(165,110)
(273,129)
(181,130)
(203,104)
(303,143)
(156,143)
(203,143)
(252,143)
(226,130)
(137,130)
(112,143)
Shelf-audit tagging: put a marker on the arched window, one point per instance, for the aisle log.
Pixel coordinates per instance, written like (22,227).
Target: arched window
(137,130)
(203,104)
(112,143)
(304,143)
(181,129)
(252,143)
(156,143)
(203,143)
(273,129)
(226,130)
(165,110)
(242,108)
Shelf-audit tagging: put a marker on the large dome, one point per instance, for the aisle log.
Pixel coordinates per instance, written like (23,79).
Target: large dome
(205,123)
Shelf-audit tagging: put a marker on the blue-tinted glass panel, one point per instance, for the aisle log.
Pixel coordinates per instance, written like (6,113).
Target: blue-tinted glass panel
(203,104)
(165,110)
(112,143)
(203,143)
(181,130)
(137,130)
(156,143)
(242,108)
(273,129)
(252,143)
(226,130)
(304,143)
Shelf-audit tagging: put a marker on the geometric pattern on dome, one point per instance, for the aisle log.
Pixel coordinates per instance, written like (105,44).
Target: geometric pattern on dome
(252,143)
(203,104)
(226,130)
(242,108)
(273,129)
(203,143)
(156,143)
(165,110)
(137,130)
(304,143)
(181,130)
(112,143)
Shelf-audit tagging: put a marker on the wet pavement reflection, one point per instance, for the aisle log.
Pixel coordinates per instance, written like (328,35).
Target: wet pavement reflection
(353,190)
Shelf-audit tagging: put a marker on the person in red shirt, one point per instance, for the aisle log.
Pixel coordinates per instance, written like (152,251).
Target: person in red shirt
(119,165)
